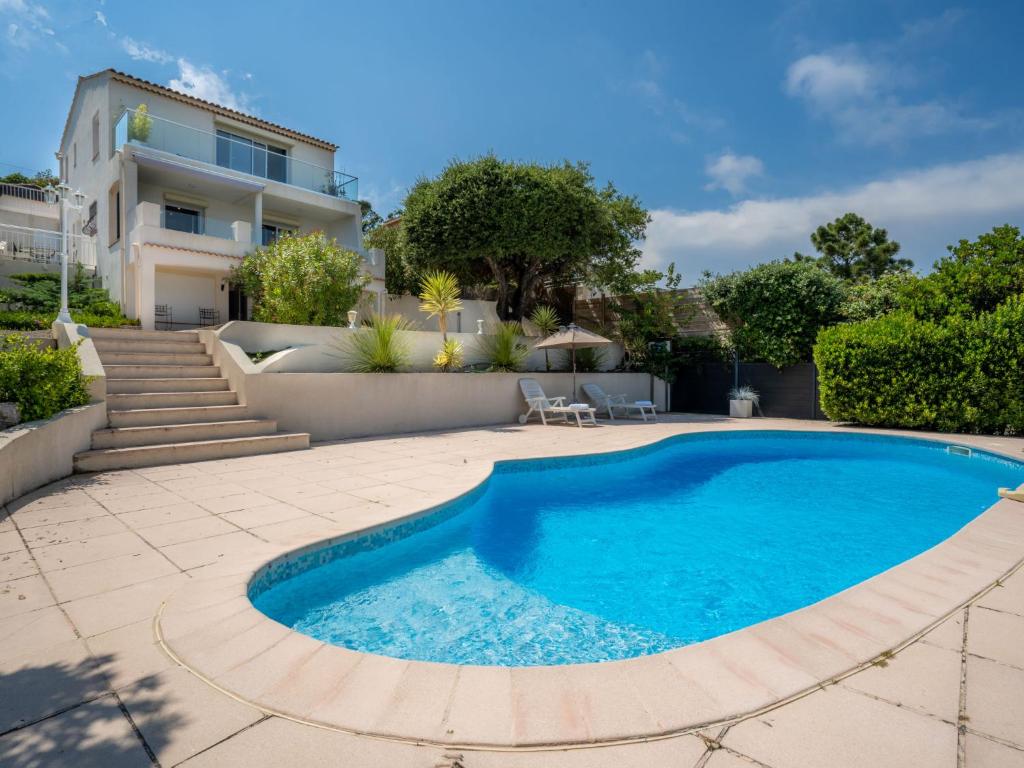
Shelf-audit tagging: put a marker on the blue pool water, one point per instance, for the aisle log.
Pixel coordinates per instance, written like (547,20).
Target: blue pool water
(609,557)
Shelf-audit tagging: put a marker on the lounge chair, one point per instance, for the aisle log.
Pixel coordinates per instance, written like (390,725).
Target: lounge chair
(541,404)
(599,398)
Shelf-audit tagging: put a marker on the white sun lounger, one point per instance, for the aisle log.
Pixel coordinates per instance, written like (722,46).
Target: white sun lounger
(598,397)
(540,403)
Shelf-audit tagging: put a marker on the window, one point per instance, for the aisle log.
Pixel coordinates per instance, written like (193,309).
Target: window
(248,156)
(273,231)
(74,155)
(183,219)
(95,136)
(114,211)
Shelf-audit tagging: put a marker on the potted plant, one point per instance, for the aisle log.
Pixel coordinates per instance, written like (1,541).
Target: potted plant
(140,124)
(742,401)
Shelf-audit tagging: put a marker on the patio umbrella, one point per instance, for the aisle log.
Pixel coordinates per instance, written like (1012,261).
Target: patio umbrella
(573,337)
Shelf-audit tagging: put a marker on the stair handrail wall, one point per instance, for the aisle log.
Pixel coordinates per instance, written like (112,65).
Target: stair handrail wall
(72,334)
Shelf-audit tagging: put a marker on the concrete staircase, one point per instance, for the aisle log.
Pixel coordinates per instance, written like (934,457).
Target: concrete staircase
(167,403)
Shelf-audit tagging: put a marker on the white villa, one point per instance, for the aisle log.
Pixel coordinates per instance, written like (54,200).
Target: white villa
(178,189)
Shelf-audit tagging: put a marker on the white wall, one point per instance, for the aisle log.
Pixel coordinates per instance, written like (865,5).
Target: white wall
(472,310)
(186,292)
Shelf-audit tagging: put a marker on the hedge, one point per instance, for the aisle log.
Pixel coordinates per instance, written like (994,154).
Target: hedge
(24,320)
(41,381)
(958,375)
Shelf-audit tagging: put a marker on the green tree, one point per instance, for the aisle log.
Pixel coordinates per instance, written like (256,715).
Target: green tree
(648,314)
(867,299)
(775,310)
(302,280)
(41,179)
(976,276)
(852,249)
(389,237)
(546,320)
(515,227)
(370,218)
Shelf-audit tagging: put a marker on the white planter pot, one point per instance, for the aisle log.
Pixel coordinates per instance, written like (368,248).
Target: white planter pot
(742,409)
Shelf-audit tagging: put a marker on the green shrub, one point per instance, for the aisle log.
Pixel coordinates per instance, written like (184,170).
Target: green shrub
(588,359)
(22,320)
(449,357)
(960,375)
(35,303)
(41,381)
(302,280)
(503,349)
(377,346)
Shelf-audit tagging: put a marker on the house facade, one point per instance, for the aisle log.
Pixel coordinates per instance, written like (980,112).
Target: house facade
(179,189)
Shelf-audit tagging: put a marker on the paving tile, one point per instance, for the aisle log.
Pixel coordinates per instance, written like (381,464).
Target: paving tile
(949,634)
(236,501)
(10,541)
(119,607)
(72,553)
(134,502)
(24,595)
(922,677)
(290,530)
(186,530)
(1009,597)
(172,513)
(842,729)
(985,753)
(94,735)
(131,653)
(26,632)
(78,530)
(212,491)
(106,575)
(180,715)
(192,554)
(997,636)
(723,758)
(995,699)
(47,680)
(679,752)
(49,497)
(17,565)
(58,515)
(277,512)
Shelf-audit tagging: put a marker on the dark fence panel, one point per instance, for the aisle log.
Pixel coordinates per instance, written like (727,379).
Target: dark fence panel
(791,393)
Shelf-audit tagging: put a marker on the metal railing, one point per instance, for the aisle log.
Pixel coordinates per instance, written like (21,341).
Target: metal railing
(23,192)
(42,246)
(147,130)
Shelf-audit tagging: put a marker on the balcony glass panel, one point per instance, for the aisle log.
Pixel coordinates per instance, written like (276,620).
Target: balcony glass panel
(233,152)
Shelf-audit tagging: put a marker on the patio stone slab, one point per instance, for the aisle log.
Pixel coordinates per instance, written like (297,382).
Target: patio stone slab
(10,541)
(995,700)
(27,632)
(72,553)
(922,677)
(79,530)
(119,607)
(949,634)
(107,575)
(1008,597)
(172,513)
(179,715)
(130,653)
(181,531)
(997,636)
(17,565)
(842,729)
(24,595)
(94,735)
(192,554)
(985,753)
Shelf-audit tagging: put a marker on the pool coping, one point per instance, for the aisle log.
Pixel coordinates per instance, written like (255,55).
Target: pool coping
(212,628)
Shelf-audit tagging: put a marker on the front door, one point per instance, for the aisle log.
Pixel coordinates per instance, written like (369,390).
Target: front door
(237,304)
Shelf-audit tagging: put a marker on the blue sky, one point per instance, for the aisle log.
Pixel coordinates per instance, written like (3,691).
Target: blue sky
(740,125)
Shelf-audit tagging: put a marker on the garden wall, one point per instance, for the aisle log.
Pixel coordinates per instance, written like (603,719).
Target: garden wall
(333,406)
(790,393)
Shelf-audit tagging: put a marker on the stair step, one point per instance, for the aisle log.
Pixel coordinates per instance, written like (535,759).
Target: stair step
(163,346)
(157,417)
(121,371)
(153,399)
(134,386)
(151,358)
(130,437)
(200,450)
(134,334)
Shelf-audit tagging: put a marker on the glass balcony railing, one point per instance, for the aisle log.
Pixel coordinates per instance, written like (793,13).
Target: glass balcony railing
(196,223)
(228,151)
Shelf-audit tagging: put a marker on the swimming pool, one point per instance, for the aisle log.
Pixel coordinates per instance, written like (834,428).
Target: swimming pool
(614,556)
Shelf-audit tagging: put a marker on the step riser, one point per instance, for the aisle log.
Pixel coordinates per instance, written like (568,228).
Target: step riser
(162,371)
(138,386)
(173,454)
(118,438)
(167,416)
(138,335)
(125,402)
(131,358)
(107,346)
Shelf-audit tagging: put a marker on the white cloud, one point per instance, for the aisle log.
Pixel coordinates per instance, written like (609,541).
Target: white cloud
(143,52)
(730,171)
(101,18)
(923,209)
(205,83)
(27,23)
(861,100)
(678,117)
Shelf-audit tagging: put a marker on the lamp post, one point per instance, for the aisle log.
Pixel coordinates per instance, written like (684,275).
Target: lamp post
(352,315)
(62,195)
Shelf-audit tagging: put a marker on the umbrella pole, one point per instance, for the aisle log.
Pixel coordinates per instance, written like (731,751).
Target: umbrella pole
(572,399)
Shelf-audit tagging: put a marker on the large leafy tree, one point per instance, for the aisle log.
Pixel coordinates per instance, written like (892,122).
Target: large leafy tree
(775,310)
(302,280)
(852,249)
(519,227)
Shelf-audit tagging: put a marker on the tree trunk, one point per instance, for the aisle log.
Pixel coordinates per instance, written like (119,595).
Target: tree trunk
(501,279)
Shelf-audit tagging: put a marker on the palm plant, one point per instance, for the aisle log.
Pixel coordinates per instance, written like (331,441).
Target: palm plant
(449,358)
(504,349)
(439,297)
(377,347)
(547,322)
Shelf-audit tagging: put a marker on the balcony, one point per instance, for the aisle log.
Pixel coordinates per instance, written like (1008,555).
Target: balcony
(222,150)
(43,247)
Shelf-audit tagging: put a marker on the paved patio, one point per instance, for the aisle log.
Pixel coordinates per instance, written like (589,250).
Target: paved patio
(86,563)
